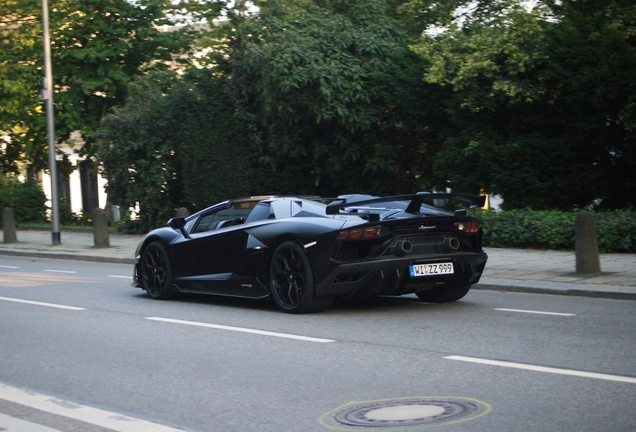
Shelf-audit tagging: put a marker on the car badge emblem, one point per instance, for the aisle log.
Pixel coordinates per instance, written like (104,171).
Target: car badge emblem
(424,227)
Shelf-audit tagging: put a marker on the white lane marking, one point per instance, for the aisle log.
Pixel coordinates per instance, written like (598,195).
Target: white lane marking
(13,424)
(243,330)
(120,277)
(534,312)
(10,267)
(41,303)
(95,416)
(60,271)
(560,371)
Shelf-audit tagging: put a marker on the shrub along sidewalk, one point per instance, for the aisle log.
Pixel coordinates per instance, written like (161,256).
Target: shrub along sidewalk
(535,229)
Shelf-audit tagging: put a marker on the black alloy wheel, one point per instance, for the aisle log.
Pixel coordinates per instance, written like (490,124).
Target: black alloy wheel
(291,281)
(156,272)
(443,295)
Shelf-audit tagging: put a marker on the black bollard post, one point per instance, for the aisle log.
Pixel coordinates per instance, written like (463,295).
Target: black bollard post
(100,228)
(8,226)
(586,244)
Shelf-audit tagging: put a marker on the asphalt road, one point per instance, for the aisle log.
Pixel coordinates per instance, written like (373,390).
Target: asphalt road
(81,350)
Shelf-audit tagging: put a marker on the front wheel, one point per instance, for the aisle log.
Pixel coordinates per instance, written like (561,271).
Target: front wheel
(291,281)
(443,295)
(156,272)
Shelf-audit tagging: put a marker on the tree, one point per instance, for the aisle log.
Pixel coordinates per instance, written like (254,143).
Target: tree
(98,46)
(318,81)
(22,123)
(137,152)
(175,143)
(542,101)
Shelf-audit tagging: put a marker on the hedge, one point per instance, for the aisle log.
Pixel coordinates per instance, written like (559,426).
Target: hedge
(27,201)
(616,229)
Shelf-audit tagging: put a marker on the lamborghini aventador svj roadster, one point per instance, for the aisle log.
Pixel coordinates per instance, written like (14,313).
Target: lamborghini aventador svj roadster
(305,252)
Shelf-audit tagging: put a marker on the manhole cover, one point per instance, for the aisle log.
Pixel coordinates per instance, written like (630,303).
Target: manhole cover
(406,412)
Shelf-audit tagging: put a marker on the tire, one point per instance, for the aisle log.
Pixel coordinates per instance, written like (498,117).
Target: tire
(443,295)
(156,272)
(291,281)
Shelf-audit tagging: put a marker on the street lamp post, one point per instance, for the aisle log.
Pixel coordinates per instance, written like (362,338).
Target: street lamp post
(50,125)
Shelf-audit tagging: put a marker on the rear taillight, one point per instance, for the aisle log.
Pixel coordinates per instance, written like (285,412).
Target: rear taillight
(467,227)
(362,233)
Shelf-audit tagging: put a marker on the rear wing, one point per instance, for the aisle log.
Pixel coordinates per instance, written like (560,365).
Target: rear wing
(415,201)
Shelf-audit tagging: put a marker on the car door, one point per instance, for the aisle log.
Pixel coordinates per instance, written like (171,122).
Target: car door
(206,260)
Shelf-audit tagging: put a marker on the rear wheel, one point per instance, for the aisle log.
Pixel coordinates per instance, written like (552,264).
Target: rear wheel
(444,294)
(291,281)
(156,272)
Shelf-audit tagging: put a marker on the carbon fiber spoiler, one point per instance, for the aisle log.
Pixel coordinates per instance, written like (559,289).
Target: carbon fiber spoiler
(416,201)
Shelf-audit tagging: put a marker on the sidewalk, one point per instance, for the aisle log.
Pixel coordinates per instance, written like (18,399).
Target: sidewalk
(76,245)
(522,270)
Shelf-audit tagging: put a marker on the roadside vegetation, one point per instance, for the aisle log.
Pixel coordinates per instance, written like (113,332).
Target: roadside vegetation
(531,101)
(520,228)
(543,229)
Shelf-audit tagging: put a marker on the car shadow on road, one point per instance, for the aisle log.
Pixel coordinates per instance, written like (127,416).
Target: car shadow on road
(379,304)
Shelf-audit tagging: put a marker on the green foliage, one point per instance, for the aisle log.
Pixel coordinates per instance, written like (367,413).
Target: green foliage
(542,103)
(69,218)
(97,54)
(534,101)
(174,144)
(22,123)
(318,80)
(213,146)
(524,228)
(97,47)
(616,230)
(27,200)
(136,147)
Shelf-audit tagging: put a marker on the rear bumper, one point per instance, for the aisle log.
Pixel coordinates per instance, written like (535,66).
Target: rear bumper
(391,276)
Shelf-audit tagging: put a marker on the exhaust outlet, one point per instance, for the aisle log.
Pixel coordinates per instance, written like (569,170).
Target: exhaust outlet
(403,247)
(451,244)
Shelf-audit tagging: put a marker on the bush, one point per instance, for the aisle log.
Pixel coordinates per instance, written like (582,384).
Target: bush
(526,228)
(27,200)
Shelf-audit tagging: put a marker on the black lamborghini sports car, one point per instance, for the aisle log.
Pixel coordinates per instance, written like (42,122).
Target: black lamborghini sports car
(303,252)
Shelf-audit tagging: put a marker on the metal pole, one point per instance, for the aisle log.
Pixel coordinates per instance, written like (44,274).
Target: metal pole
(50,125)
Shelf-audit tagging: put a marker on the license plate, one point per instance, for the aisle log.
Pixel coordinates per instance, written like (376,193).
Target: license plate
(419,270)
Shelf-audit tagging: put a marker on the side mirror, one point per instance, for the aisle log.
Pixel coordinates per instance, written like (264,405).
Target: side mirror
(178,223)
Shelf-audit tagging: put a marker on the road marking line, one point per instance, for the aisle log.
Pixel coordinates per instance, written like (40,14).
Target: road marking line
(95,416)
(571,372)
(9,267)
(41,303)
(243,330)
(120,277)
(534,312)
(15,424)
(60,271)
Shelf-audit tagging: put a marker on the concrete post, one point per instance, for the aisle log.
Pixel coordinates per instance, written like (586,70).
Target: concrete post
(586,244)
(8,226)
(183,212)
(100,228)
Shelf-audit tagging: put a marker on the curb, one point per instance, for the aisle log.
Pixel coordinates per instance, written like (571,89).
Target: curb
(69,256)
(612,295)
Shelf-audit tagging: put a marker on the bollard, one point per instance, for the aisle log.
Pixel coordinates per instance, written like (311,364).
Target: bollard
(100,228)
(8,226)
(586,244)
(183,212)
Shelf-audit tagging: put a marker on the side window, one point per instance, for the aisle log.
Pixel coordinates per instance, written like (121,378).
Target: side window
(208,222)
(233,215)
